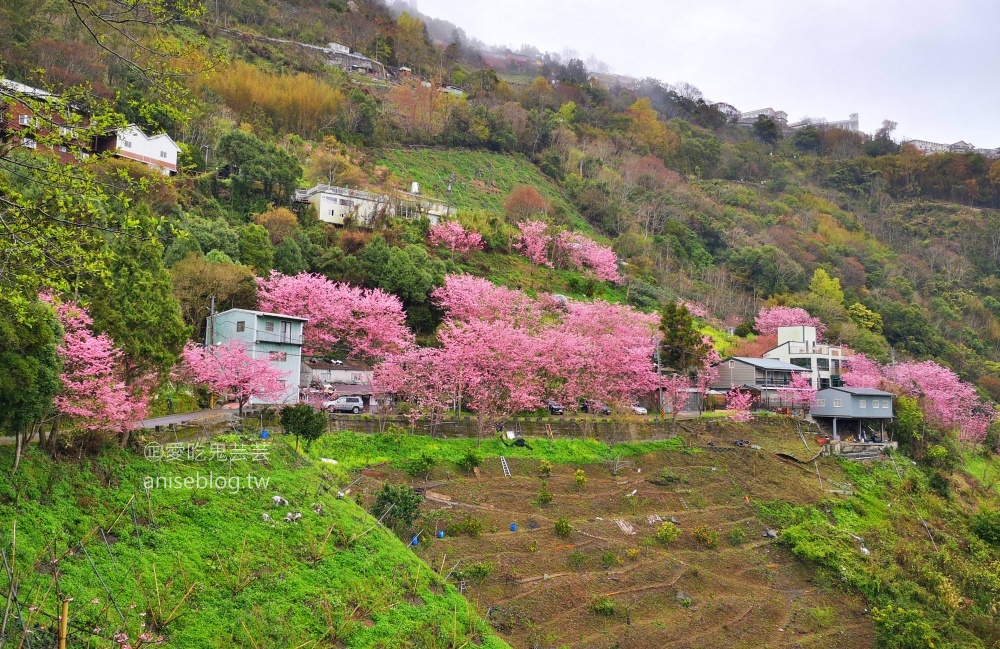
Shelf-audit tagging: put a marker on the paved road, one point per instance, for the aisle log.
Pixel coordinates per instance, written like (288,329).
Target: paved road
(167,420)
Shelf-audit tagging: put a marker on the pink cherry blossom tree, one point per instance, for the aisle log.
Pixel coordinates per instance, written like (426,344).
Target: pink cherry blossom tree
(708,374)
(800,392)
(94,394)
(739,402)
(495,365)
(769,319)
(230,369)
(467,298)
(341,318)
(454,237)
(423,379)
(581,252)
(534,242)
(676,393)
(947,402)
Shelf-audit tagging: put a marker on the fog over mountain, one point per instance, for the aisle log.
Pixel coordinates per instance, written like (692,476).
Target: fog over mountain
(927,65)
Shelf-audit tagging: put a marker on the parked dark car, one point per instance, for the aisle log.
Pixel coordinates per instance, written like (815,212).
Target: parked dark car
(555,408)
(595,408)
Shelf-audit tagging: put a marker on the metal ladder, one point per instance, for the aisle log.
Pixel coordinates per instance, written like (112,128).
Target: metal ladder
(506,469)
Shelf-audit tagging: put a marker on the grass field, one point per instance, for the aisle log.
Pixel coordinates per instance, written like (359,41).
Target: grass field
(202,568)
(482,179)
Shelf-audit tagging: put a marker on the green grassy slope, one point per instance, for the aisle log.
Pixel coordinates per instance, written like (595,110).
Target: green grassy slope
(482,179)
(203,569)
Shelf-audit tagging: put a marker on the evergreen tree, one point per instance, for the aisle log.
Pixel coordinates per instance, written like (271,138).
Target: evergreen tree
(682,346)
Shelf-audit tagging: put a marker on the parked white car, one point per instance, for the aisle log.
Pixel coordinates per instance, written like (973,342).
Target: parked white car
(639,410)
(345,404)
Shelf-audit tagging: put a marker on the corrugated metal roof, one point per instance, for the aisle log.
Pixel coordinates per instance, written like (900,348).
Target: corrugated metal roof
(275,315)
(768,364)
(860,392)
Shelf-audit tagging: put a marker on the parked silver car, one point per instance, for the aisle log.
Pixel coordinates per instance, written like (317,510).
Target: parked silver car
(345,404)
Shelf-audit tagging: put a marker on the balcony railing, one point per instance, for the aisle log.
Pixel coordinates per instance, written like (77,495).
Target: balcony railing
(277,337)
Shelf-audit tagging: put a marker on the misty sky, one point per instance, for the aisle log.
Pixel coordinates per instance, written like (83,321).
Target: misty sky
(931,66)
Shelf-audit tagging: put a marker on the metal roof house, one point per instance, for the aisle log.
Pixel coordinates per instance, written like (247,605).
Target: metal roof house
(764,376)
(860,412)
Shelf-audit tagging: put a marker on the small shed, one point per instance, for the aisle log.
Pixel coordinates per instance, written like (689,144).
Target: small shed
(858,411)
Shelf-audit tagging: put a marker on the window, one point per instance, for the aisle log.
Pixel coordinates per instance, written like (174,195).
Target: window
(62,149)
(279,357)
(835,366)
(28,143)
(333,212)
(823,364)
(163,154)
(732,364)
(837,403)
(24,120)
(863,404)
(821,403)
(241,325)
(885,403)
(874,403)
(269,327)
(281,382)
(805,363)
(65,130)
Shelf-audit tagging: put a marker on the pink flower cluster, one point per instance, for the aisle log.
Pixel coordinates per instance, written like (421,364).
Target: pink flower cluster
(769,320)
(230,369)
(739,402)
(341,318)
(569,248)
(534,243)
(502,351)
(94,393)
(582,252)
(696,309)
(947,401)
(454,237)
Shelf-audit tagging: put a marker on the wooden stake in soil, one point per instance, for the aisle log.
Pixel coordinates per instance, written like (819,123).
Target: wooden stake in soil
(63,623)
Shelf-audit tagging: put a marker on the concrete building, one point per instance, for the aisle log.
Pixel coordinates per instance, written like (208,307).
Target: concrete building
(926,147)
(275,336)
(776,115)
(335,204)
(799,346)
(850,124)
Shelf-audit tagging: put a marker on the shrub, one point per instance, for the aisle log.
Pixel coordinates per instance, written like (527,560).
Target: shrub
(580,478)
(475,572)
(576,559)
(736,536)
(421,466)
(667,533)
(545,467)
(939,482)
(563,528)
(398,503)
(470,460)
(632,553)
(473,527)
(706,536)
(986,525)
(667,478)
(603,606)
(544,495)
(609,559)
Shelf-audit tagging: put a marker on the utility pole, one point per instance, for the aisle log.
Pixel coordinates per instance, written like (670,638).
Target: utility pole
(451,184)
(211,323)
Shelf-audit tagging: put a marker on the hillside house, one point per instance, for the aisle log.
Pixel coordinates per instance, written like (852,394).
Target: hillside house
(799,346)
(765,377)
(320,373)
(158,152)
(337,204)
(858,412)
(275,336)
(21,125)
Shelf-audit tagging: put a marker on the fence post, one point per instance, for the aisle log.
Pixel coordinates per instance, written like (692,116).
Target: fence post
(63,623)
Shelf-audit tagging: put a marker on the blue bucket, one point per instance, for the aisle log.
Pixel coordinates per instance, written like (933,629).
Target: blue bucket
(415,541)
(513,527)
(440,534)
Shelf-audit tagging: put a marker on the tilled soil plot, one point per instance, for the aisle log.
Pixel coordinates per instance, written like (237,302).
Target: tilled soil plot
(605,586)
